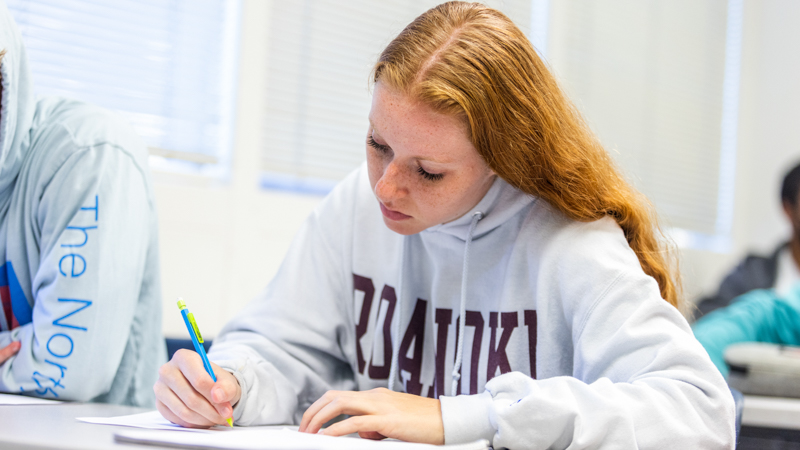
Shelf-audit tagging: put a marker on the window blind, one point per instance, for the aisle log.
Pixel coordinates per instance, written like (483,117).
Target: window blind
(167,66)
(320,56)
(658,82)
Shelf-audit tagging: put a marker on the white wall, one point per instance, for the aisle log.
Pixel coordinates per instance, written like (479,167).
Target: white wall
(769,138)
(222,242)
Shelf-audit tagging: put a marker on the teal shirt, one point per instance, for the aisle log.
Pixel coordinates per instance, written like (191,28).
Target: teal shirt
(757,316)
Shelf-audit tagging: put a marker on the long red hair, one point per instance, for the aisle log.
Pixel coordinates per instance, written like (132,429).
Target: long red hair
(471,61)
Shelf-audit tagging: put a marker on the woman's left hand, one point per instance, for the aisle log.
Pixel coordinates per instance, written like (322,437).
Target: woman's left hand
(377,414)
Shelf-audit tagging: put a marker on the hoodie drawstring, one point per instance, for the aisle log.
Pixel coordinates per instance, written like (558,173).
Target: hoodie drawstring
(462,318)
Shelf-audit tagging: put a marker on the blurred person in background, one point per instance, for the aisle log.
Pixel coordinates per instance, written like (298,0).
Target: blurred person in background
(779,271)
(759,301)
(761,315)
(79,280)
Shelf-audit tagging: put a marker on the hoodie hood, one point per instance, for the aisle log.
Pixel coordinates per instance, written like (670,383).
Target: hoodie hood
(501,202)
(17,106)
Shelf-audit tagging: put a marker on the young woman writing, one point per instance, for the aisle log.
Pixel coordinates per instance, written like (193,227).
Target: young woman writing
(488,261)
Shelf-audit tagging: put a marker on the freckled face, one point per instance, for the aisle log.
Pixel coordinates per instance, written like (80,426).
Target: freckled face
(423,168)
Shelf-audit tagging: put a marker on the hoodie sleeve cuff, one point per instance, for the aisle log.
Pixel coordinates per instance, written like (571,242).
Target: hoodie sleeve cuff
(466,418)
(236,369)
(239,407)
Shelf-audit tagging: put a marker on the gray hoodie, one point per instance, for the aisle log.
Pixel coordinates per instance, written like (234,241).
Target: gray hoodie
(533,330)
(79,280)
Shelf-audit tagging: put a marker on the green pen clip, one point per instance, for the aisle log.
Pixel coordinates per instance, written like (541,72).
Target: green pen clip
(196,330)
(190,316)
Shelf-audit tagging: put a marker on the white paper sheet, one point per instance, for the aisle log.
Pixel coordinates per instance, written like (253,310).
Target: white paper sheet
(266,438)
(14,399)
(152,420)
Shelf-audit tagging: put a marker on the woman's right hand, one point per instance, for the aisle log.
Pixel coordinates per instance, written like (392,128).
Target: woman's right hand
(186,394)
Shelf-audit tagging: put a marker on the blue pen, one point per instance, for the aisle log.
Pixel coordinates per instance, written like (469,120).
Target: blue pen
(197,340)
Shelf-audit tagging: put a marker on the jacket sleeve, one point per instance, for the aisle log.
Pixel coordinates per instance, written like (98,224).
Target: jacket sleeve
(285,347)
(91,223)
(758,316)
(640,380)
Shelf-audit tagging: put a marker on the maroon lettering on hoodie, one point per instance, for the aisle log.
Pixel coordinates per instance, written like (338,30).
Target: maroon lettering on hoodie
(497,350)
(442,318)
(415,333)
(364,285)
(381,372)
(473,319)
(530,322)
(501,328)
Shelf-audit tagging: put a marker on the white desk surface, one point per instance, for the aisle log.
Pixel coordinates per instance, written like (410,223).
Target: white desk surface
(36,427)
(771,412)
(39,427)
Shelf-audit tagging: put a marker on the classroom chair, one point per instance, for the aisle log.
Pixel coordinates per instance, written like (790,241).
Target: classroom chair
(173,345)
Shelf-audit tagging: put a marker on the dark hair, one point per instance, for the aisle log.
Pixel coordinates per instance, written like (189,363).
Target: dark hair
(791,186)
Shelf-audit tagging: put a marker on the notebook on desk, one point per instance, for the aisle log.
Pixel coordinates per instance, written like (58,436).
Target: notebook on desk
(257,438)
(17,399)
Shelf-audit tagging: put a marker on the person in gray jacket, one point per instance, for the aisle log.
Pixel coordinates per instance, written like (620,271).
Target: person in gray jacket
(79,278)
(780,270)
(486,275)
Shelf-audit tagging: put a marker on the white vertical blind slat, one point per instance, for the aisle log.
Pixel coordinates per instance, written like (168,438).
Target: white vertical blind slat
(158,63)
(649,78)
(321,53)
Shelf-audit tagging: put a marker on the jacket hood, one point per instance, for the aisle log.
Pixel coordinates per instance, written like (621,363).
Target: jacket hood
(501,202)
(17,106)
